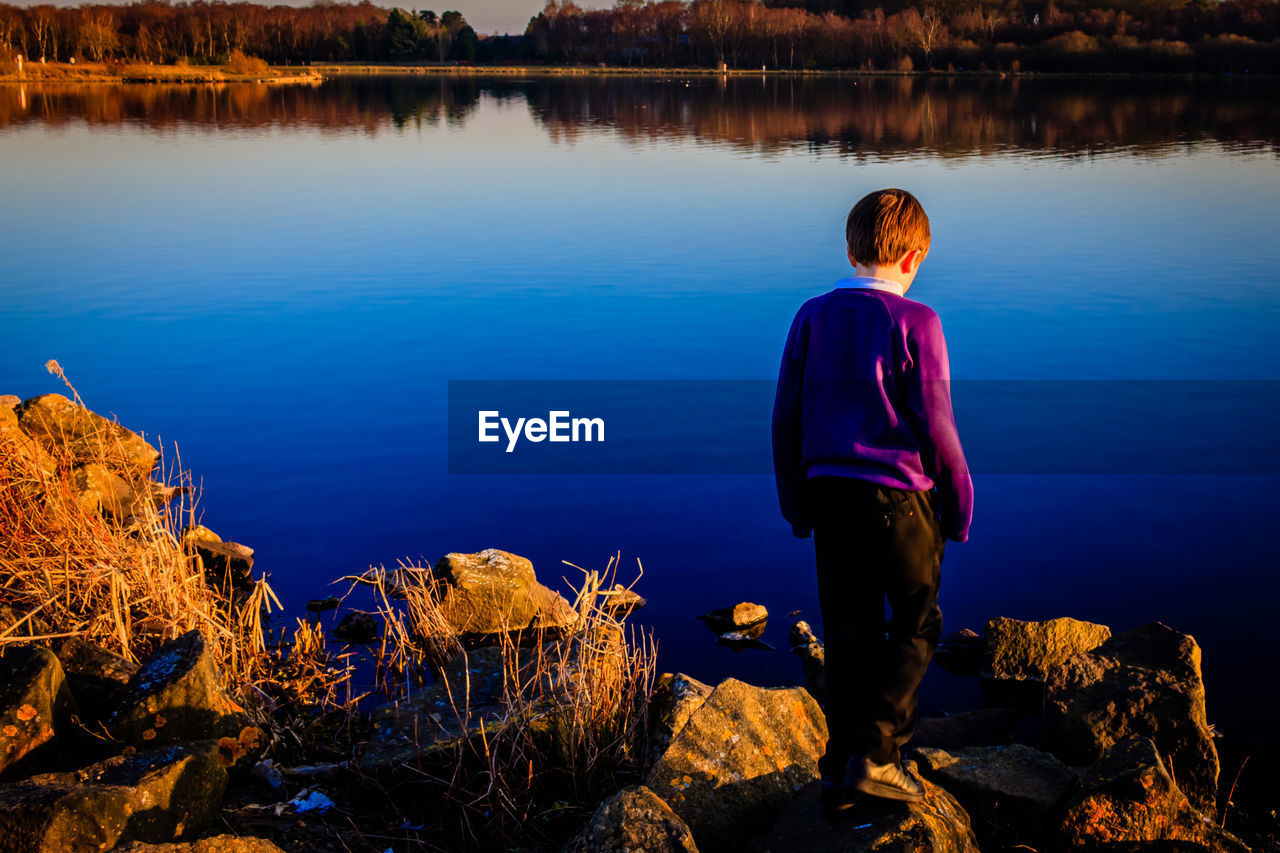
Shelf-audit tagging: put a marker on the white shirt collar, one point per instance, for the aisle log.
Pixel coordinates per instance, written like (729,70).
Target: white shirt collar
(866,282)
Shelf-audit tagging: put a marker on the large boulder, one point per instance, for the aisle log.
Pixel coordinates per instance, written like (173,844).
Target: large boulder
(1012,792)
(176,695)
(495,592)
(1018,655)
(1144,683)
(741,757)
(1128,801)
(937,824)
(985,727)
(675,697)
(57,422)
(158,795)
(35,703)
(634,820)
(97,677)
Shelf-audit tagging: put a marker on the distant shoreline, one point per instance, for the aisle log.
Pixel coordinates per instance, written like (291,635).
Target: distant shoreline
(63,72)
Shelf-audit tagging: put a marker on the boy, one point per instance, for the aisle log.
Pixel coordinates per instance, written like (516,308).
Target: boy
(867,457)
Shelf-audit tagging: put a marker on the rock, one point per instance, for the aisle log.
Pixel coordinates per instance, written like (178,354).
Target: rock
(433,723)
(634,820)
(813,656)
(357,627)
(158,795)
(176,695)
(620,600)
(194,534)
(101,490)
(213,844)
(744,615)
(494,592)
(321,605)
(1017,656)
(1128,801)
(960,652)
(13,440)
(675,698)
(96,676)
(35,704)
(743,640)
(1027,651)
(1012,793)
(57,422)
(227,565)
(937,824)
(986,727)
(9,401)
(1145,682)
(741,757)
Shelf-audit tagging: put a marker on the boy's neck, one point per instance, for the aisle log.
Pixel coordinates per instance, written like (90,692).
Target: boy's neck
(885,272)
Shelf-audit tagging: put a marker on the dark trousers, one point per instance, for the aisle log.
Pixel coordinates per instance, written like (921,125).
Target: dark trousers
(874,544)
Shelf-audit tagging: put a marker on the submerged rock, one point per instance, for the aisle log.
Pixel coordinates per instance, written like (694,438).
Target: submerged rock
(357,627)
(321,605)
(495,592)
(748,638)
(176,695)
(1144,683)
(742,755)
(35,703)
(736,618)
(1011,792)
(960,652)
(986,727)
(938,824)
(634,820)
(813,657)
(57,422)
(158,795)
(1129,801)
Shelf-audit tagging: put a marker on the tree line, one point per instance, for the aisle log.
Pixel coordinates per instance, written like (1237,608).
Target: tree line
(1236,36)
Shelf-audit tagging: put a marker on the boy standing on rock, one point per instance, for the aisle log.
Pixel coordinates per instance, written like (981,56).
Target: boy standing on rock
(867,458)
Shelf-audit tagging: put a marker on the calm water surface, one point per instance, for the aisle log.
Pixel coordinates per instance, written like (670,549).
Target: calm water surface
(282,281)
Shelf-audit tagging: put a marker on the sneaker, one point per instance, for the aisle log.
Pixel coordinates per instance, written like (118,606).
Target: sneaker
(836,798)
(890,781)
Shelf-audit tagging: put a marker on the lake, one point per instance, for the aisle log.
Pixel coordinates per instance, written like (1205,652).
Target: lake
(284,281)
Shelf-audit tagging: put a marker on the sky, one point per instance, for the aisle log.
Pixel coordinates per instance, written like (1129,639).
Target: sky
(486,16)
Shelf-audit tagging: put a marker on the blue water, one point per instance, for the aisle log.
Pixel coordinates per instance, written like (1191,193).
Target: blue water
(285,299)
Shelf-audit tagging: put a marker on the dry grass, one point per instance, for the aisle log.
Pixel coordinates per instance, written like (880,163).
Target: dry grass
(123,580)
(571,724)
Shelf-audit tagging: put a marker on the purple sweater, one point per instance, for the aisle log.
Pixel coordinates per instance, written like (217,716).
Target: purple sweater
(865,391)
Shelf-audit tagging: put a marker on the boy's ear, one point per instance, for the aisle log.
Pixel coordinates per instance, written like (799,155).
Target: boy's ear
(849,254)
(912,260)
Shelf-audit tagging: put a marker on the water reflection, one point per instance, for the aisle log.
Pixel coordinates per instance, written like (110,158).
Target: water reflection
(862,117)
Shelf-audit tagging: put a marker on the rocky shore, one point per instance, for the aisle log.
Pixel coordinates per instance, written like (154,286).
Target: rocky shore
(1088,739)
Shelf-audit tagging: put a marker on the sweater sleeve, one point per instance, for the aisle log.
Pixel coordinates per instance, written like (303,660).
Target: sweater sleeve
(788,463)
(929,395)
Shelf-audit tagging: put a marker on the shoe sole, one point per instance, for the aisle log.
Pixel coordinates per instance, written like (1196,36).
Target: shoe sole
(887,792)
